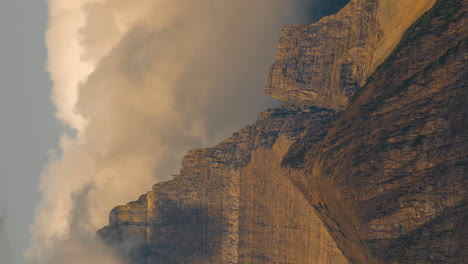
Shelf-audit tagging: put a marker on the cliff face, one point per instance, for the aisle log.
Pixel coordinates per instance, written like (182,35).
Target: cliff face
(323,64)
(380,182)
(230,203)
(388,180)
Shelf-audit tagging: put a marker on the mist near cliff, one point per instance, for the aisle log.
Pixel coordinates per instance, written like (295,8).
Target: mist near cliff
(136,85)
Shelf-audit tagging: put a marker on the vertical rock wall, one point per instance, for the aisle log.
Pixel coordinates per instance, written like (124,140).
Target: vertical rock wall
(324,63)
(389,180)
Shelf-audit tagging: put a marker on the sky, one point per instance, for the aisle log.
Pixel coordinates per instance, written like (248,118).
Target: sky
(28,126)
(100,99)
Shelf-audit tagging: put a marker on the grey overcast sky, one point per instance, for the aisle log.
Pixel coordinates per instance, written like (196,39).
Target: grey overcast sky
(28,128)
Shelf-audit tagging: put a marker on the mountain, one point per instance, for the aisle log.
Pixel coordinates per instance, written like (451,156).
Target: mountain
(364,162)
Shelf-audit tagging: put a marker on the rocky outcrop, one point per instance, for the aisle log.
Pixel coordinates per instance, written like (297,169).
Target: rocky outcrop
(231,203)
(380,182)
(389,179)
(324,63)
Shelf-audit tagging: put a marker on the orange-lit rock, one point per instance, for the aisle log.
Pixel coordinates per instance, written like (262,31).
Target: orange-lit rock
(389,178)
(382,181)
(231,203)
(324,63)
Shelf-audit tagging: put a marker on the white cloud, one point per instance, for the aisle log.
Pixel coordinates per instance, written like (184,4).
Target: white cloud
(142,82)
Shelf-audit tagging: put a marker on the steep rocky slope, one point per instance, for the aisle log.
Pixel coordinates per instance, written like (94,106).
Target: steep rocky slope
(230,204)
(389,178)
(383,184)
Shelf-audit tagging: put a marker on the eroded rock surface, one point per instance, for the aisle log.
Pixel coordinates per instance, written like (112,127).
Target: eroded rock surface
(231,203)
(324,63)
(389,179)
(384,183)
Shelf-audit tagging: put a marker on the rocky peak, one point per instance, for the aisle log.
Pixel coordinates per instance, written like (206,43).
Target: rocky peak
(324,63)
(379,182)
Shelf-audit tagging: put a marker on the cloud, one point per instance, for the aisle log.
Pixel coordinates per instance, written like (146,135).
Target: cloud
(80,246)
(140,83)
(66,67)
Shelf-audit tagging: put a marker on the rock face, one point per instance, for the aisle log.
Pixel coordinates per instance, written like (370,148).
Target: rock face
(381,181)
(231,203)
(323,64)
(389,179)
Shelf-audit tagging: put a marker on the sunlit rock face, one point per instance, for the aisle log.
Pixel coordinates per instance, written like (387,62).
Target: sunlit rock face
(231,203)
(361,164)
(323,64)
(389,178)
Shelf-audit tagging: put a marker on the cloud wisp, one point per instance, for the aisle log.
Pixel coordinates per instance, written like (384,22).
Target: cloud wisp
(140,83)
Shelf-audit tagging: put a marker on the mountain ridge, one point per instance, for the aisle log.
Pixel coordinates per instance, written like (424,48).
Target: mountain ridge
(233,203)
